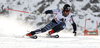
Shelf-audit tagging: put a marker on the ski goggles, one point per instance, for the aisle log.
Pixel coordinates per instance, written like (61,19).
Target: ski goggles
(67,10)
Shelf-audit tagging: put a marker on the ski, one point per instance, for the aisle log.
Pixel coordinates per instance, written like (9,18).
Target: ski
(34,36)
(54,36)
(50,36)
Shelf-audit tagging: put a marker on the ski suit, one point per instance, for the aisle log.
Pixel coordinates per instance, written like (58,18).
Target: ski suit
(58,23)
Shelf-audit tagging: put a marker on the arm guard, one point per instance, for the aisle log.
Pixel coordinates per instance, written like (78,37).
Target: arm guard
(74,27)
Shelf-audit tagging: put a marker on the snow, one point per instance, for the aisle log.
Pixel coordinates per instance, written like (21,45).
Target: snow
(53,5)
(62,42)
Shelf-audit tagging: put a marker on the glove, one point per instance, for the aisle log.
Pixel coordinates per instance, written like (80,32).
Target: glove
(49,12)
(74,33)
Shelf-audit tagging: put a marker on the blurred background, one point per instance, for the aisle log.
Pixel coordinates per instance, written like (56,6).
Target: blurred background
(81,10)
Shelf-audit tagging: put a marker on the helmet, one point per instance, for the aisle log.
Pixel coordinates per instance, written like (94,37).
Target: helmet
(66,7)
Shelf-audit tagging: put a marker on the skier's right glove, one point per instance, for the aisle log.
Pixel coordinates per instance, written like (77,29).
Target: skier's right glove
(49,12)
(74,33)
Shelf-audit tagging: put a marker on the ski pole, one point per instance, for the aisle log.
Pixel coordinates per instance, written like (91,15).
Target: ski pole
(16,10)
(22,11)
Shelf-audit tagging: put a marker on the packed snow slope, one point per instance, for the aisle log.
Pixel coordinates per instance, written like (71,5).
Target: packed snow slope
(42,42)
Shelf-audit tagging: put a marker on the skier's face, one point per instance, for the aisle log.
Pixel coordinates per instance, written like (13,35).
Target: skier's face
(66,12)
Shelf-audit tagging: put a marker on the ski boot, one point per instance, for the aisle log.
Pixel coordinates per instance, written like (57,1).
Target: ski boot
(31,36)
(52,36)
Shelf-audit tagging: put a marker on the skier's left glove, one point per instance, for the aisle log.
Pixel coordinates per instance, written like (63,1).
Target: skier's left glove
(74,33)
(49,12)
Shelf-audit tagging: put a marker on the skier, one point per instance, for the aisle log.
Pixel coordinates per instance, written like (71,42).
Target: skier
(58,23)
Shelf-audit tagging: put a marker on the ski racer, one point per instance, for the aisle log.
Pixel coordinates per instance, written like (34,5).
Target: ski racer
(58,23)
